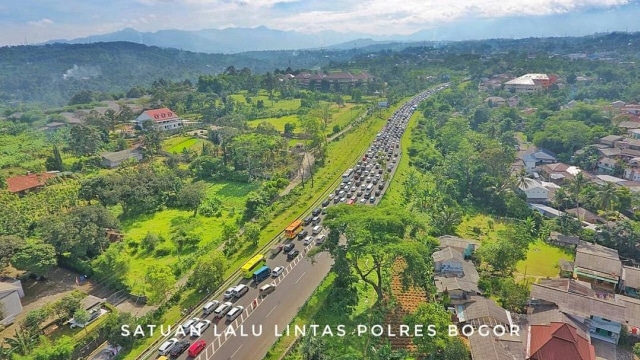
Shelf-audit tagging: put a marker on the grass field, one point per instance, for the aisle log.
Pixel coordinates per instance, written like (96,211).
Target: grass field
(278,123)
(480,227)
(542,261)
(177,144)
(233,196)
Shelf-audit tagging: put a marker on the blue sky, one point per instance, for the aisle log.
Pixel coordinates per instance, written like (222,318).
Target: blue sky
(34,21)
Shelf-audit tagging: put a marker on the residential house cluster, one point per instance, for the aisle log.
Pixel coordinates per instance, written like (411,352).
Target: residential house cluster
(497,101)
(315,79)
(164,119)
(493,83)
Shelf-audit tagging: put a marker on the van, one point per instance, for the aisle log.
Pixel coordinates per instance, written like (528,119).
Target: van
(210,306)
(316,229)
(196,348)
(234,313)
(369,187)
(320,239)
(240,290)
(267,289)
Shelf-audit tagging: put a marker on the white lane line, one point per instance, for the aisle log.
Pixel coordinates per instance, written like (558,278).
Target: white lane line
(235,352)
(274,307)
(300,277)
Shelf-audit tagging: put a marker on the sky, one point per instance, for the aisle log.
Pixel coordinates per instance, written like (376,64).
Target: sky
(34,21)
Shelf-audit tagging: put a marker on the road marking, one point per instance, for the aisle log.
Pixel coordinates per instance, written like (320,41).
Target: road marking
(274,307)
(235,352)
(300,277)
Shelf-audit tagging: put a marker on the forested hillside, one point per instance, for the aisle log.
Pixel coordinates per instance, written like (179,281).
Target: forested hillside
(52,74)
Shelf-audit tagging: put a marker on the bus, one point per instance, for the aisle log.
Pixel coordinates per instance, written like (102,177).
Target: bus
(293,229)
(252,265)
(261,274)
(346,177)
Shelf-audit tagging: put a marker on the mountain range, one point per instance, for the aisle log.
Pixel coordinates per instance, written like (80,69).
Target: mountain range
(237,40)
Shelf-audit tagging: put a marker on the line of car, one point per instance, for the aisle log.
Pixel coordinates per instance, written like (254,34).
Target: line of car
(368,174)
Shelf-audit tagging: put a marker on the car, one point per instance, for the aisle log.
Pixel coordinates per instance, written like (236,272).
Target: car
(277,271)
(228,294)
(307,220)
(341,193)
(350,202)
(363,200)
(222,310)
(336,200)
(210,306)
(166,346)
(326,203)
(316,220)
(267,289)
(372,199)
(302,234)
(179,348)
(307,240)
(294,254)
(240,290)
(196,348)
(186,326)
(377,193)
(288,247)
(200,328)
(234,313)
(343,199)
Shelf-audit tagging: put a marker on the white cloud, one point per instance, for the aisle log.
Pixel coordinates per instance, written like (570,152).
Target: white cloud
(42,22)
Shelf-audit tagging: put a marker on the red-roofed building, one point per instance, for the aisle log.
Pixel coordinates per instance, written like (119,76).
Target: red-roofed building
(22,184)
(558,341)
(164,118)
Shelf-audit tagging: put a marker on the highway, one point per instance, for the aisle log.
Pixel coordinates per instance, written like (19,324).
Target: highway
(239,340)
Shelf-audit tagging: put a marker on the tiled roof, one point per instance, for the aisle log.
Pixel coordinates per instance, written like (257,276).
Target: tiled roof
(491,348)
(482,308)
(453,283)
(631,276)
(161,114)
(446,254)
(598,259)
(558,341)
(456,242)
(21,183)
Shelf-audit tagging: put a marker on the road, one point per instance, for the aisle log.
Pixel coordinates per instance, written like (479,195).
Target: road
(239,340)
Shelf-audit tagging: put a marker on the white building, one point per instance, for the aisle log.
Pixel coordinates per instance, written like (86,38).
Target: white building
(164,118)
(530,83)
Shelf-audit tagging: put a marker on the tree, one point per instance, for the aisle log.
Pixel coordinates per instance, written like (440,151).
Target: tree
(375,242)
(252,233)
(446,220)
(36,257)
(159,282)
(111,328)
(314,348)
(431,314)
(54,162)
(289,129)
(62,349)
(636,349)
(191,195)
(81,316)
(455,350)
(607,197)
(208,274)
(576,186)
(9,245)
(112,266)
(84,140)
(153,137)
(68,305)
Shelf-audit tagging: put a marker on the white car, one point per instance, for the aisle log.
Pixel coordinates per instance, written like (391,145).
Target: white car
(186,327)
(228,294)
(167,346)
(200,328)
(308,240)
(278,270)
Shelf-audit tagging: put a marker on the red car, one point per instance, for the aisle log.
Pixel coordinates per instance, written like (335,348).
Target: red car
(196,348)
(350,202)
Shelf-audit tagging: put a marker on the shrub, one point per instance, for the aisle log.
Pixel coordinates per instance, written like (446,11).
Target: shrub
(163,251)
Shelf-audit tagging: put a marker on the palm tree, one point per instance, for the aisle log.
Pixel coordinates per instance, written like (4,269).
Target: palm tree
(607,197)
(521,180)
(576,186)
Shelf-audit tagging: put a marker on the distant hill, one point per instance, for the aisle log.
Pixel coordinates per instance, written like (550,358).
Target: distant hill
(53,73)
(227,41)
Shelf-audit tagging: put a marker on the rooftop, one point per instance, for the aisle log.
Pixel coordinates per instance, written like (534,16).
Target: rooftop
(119,156)
(485,310)
(528,79)
(492,348)
(631,276)
(18,184)
(162,114)
(558,341)
(447,254)
(456,242)
(598,259)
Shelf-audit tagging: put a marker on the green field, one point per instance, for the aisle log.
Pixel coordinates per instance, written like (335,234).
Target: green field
(542,261)
(177,144)
(278,123)
(233,196)
(480,227)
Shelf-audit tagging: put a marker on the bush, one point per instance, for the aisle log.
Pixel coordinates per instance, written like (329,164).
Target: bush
(163,251)
(636,349)
(80,266)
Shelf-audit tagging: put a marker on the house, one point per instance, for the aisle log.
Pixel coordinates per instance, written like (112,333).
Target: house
(604,314)
(10,294)
(495,101)
(465,246)
(495,348)
(610,140)
(557,340)
(606,165)
(448,260)
(566,268)
(22,184)
(603,179)
(630,283)
(618,104)
(629,125)
(482,311)
(628,143)
(458,289)
(558,173)
(583,214)
(530,83)
(546,211)
(610,152)
(537,157)
(163,118)
(634,133)
(597,264)
(114,159)
(567,241)
(538,191)
(455,276)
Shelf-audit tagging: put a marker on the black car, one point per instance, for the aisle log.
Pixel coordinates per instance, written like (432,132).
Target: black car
(302,234)
(316,211)
(288,247)
(307,221)
(292,255)
(325,203)
(179,348)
